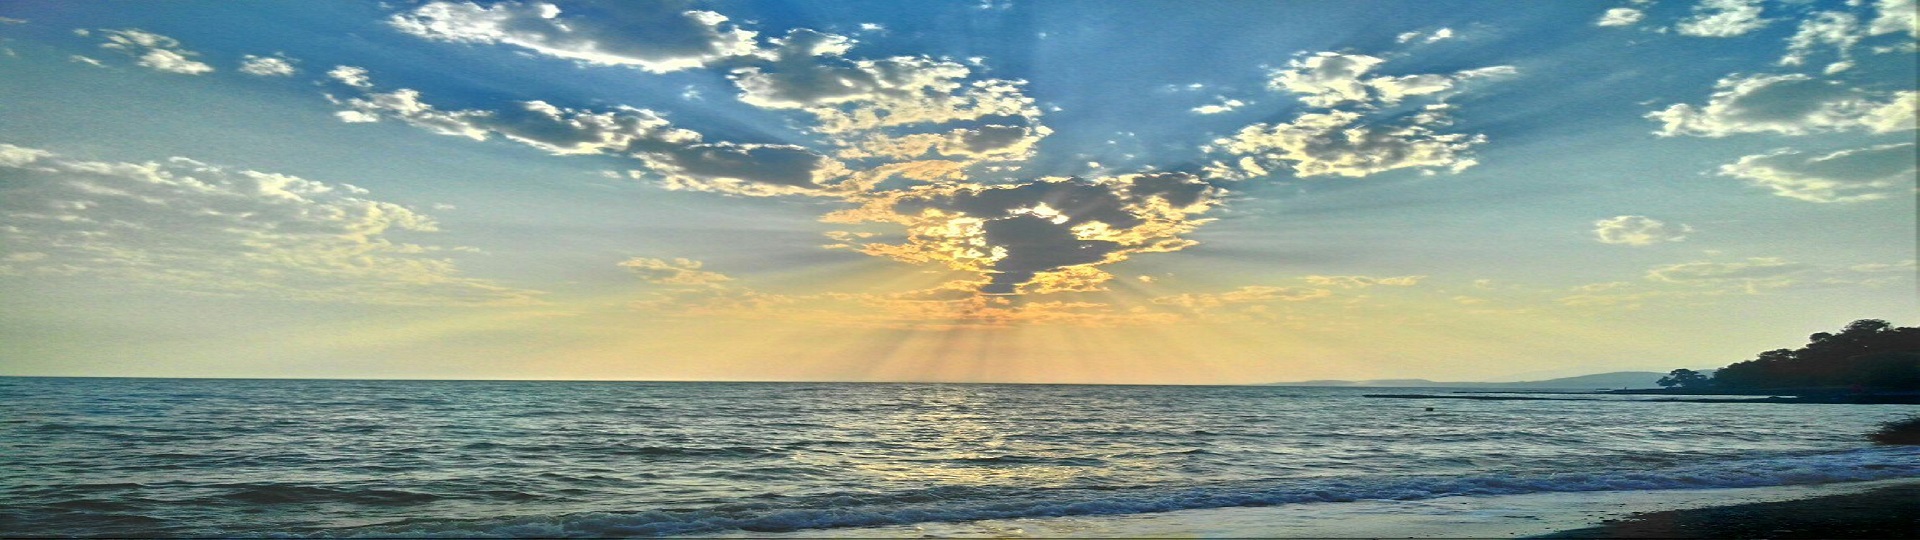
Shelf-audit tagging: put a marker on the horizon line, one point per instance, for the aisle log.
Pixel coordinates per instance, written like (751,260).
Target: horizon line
(1299,383)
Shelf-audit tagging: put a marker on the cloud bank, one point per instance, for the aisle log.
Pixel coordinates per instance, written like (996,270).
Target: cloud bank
(190,226)
(1861,174)
(654,36)
(1790,104)
(154,51)
(1358,124)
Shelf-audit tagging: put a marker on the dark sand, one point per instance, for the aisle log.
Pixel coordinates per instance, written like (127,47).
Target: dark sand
(1890,512)
(1902,399)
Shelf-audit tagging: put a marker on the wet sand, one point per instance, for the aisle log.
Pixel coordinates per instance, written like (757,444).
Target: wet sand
(1888,512)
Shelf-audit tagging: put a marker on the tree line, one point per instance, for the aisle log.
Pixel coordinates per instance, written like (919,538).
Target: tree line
(1869,354)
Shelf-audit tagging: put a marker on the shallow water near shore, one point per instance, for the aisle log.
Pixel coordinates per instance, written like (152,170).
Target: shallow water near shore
(1497,516)
(501,458)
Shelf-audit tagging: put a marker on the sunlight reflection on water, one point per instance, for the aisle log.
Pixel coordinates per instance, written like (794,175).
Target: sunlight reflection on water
(200,457)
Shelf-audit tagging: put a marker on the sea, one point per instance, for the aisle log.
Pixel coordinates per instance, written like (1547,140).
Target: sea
(367,458)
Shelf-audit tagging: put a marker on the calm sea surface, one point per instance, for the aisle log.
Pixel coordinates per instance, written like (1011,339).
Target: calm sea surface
(445,458)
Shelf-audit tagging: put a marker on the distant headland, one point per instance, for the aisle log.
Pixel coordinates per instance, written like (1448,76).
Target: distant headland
(1867,356)
(1868,362)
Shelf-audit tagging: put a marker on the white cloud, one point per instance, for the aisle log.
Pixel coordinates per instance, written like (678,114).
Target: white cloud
(655,36)
(807,70)
(1896,16)
(1342,143)
(1327,79)
(154,51)
(173,62)
(1354,138)
(1361,282)
(1837,29)
(869,110)
(673,272)
(405,105)
(1752,275)
(1638,231)
(884,116)
(678,156)
(865,106)
(1224,105)
(19,157)
(566,131)
(194,227)
(1620,17)
(266,66)
(1393,89)
(353,76)
(1424,37)
(1723,18)
(992,141)
(1861,174)
(1791,104)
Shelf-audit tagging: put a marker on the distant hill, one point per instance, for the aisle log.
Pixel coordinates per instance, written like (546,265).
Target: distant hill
(1614,380)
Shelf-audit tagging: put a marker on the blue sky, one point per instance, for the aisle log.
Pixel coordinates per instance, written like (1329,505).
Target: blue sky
(1142,192)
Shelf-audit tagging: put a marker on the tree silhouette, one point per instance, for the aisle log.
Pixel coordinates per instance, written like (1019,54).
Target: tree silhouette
(1684,378)
(1867,354)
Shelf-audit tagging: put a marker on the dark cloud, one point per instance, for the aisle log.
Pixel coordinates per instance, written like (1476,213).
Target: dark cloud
(1178,189)
(779,165)
(678,156)
(1062,226)
(1077,202)
(1034,244)
(807,69)
(990,138)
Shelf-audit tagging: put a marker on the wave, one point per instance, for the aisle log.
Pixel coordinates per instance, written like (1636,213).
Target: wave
(694,451)
(302,494)
(1017,459)
(958,504)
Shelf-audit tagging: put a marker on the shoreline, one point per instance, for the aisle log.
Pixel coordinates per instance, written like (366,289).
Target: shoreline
(1885,512)
(1589,514)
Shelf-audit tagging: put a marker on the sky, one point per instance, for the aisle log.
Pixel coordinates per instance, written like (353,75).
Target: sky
(1061,191)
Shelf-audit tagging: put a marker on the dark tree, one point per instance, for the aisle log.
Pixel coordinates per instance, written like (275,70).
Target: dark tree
(1888,370)
(1683,378)
(1868,353)
(1866,326)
